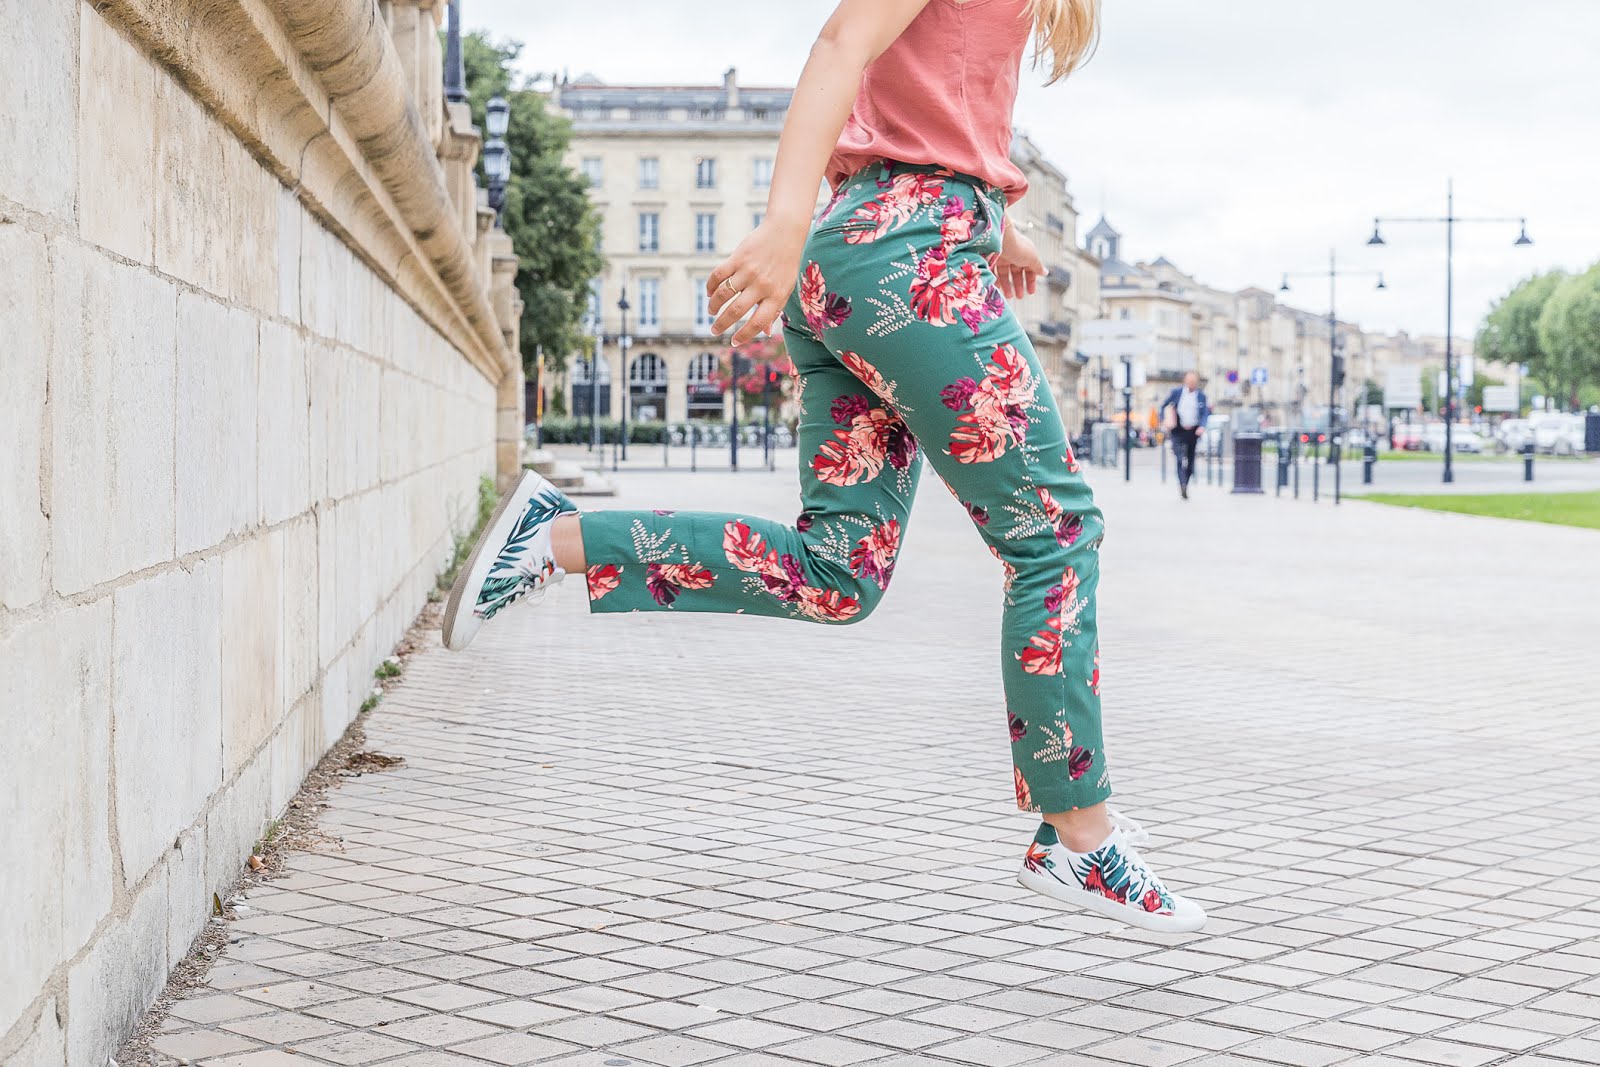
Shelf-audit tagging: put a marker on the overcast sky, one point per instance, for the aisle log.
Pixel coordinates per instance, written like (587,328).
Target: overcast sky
(1240,138)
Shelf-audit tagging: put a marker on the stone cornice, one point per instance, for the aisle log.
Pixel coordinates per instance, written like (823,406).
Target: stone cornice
(316,90)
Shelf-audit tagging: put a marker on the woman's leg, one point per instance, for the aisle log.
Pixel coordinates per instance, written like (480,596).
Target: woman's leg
(904,296)
(858,473)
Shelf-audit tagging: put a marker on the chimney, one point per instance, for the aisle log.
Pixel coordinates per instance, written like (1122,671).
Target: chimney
(730,85)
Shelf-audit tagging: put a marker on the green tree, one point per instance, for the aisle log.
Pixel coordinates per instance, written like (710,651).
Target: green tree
(1430,389)
(547,211)
(1569,335)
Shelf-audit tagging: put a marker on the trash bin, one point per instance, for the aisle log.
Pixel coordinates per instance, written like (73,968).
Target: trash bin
(1107,444)
(1247,463)
(1591,432)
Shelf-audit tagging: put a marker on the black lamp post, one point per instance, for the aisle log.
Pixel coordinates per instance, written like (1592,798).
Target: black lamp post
(733,426)
(455,73)
(1450,218)
(623,341)
(1335,361)
(496,154)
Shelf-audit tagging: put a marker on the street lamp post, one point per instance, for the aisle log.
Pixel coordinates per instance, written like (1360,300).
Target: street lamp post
(1127,419)
(1335,363)
(1450,218)
(455,75)
(496,154)
(766,414)
(623,342)
(733,435)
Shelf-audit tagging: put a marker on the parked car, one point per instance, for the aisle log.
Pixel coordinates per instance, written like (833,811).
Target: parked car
(1408,437)
(1558,435)
(1512,434)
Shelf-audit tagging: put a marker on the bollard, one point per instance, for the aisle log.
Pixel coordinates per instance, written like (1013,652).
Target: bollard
(1369,456)
(1316,477)
(1528,451)
(1283,464)
(1247,463)
(1295,458)
(1335,456)
(694,441)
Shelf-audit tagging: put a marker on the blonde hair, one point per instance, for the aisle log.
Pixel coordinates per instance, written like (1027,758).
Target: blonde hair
(1066,30)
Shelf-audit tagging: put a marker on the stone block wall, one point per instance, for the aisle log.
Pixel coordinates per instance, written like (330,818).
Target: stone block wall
(243,408)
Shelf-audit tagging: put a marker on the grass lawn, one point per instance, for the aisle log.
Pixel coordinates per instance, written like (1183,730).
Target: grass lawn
(1563,509)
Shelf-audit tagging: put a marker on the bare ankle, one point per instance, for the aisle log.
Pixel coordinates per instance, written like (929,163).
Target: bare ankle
(566,542)
(1081,829)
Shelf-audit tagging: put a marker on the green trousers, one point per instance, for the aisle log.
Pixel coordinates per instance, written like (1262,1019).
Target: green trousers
(903,346)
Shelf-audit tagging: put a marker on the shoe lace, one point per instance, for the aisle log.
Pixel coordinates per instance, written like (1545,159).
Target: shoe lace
(1134,838)
(1132,832)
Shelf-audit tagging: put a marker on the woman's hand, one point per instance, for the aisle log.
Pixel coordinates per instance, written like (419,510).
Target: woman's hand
(757,279)
(1018,268)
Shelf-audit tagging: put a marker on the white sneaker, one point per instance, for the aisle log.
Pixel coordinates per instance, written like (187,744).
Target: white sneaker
(511,560)
(1112,879)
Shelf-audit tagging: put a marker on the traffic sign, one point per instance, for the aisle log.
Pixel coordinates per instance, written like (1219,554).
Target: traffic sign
(1402,387)
(1258,376)
(1233,376)
(1500,398)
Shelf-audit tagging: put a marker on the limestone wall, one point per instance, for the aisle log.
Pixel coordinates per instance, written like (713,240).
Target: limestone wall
(256,346)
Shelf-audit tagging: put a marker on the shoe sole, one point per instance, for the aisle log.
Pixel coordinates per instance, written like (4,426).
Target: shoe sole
(1048,886)
(452,606)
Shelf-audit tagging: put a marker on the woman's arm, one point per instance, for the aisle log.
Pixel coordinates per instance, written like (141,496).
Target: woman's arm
(760,274)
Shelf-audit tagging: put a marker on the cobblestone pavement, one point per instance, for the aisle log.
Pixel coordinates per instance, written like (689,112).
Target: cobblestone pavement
(1364,737)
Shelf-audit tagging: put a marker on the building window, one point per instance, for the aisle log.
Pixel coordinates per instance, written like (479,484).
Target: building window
(705,173)
(649,303)
(759,114)
(702,307)
(648,114)
(649,172)
(649,231)
(708,113)
(1055,224)
(763,173)
(592,171)
(757,219)
(705,232)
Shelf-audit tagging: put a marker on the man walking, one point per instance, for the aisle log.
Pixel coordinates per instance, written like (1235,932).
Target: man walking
(1186,423)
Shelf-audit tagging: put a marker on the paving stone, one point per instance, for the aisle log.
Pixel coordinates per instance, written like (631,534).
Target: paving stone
(737,880)
(202,1044)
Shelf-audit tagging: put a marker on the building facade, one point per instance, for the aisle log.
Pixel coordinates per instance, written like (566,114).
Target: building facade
(1250,350)
(679,175)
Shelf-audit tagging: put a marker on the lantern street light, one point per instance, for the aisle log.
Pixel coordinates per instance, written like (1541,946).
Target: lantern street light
(496,154)
(1335,361)
(1450,218)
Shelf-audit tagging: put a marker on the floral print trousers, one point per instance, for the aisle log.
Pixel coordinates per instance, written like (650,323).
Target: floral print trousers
(904,346)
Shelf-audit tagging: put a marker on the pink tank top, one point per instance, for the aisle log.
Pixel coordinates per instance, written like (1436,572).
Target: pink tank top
(943,93)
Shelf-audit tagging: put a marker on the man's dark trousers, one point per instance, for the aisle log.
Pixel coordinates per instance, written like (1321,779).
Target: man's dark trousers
(1183,446)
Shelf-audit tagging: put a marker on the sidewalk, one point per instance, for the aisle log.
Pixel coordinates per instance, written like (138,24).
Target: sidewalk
(1364,737)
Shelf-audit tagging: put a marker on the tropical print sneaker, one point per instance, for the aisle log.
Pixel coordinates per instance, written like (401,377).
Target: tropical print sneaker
(1112,880)
(511,560)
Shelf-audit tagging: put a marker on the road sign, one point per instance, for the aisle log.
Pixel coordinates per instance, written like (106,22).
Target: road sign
(1115,338)
(1233,376)
(1500,398)
(1402,387)
(1258,376)
(1119,375)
